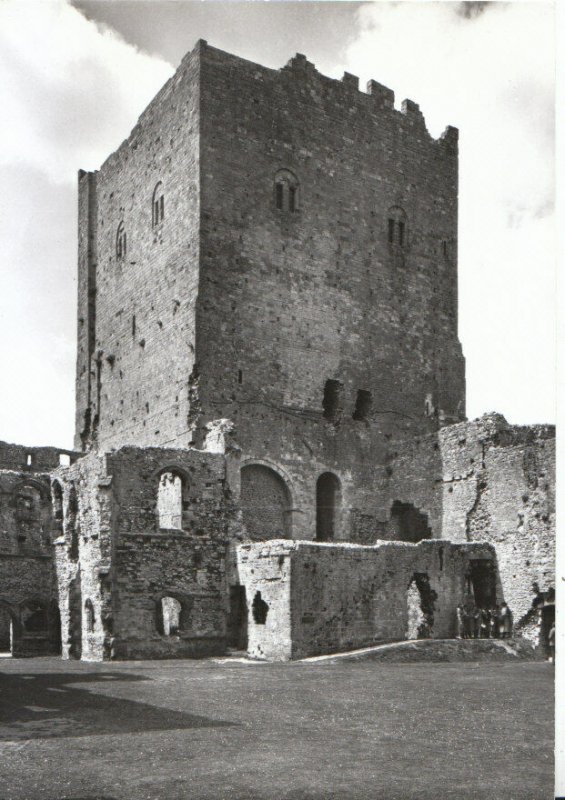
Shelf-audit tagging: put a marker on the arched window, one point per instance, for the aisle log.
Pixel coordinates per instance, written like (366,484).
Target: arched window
(169,500)
(89,614)
(57,495)
(169,616)
(121,242)
(158,205)
(397,233)
(328,501)
(287,191)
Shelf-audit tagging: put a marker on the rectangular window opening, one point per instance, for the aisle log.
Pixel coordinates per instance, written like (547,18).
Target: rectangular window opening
(331,403)
(292,198)
(363,405)
(279,194)
(239,376)
(29,460)
(64,460)
(391,231)
(401,233)
(162,206)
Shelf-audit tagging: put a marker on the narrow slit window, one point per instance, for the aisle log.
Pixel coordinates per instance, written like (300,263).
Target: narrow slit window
(331,403)
(391,231)
(286,191)
(158,205)
(401,233)
(292,199)
(362,405)
(279,189)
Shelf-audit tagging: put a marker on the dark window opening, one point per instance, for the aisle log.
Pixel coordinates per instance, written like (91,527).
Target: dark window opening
(89,614)
(121,242)
(482,582)
(332,400)
(158,205)
(260,609)
(34,618)
(409,523)
(58,504)
(239,376)
(444,248)
(133,326)
(362,405)
(328,500)
(286,191)
(401,233)
(72,523)
(396,230)
(237,620)
(292,198)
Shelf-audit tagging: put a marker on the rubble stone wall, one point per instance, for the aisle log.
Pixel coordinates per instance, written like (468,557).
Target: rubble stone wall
(489,481)
(325,598)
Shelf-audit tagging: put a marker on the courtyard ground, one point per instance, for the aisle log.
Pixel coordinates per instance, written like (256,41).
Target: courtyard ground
(225,730)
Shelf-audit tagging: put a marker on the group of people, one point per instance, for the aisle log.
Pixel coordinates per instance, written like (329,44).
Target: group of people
(474,622)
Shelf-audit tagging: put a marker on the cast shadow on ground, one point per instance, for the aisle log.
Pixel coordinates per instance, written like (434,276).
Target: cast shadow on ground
(47,705)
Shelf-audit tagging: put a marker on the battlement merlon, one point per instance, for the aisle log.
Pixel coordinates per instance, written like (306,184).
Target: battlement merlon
(376,96)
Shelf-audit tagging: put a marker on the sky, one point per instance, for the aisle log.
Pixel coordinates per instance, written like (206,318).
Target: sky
(74,78)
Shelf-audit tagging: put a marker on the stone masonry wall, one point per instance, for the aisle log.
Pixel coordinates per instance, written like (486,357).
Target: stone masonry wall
(325,598)
(488,481)
(28,595)
(136,312)
(126,563)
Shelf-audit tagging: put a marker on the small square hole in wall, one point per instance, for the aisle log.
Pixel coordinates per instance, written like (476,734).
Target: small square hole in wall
(64,460)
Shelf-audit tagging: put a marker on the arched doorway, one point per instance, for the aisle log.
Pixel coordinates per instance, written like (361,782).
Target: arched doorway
(328,501)
(265,503)
(420,601)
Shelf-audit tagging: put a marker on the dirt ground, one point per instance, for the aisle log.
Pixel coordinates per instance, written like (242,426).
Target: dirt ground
(225,730)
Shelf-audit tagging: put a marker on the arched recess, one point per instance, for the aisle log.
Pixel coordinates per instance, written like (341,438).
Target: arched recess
(287,191)
(266,503)
(328,504)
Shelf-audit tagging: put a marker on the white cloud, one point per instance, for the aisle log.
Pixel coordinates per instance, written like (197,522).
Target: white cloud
(70,92)
(491,75)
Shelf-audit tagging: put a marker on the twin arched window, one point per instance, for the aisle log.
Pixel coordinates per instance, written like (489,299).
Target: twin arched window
(287,194)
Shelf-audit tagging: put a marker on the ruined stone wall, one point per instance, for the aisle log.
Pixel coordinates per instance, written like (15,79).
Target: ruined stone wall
(290,300)
(489,481)
(27,528)
(112,586)
(325,598)
(136,310)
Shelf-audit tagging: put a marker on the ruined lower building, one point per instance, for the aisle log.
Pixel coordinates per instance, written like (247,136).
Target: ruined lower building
(271,445)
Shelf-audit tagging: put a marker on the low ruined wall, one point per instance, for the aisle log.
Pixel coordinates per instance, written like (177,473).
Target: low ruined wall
(325,598)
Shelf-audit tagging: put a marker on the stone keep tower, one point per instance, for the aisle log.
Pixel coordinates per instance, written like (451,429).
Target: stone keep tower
(280,249)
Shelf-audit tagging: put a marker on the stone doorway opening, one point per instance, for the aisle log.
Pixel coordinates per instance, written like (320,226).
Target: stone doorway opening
(420,599)
(237,620)
(482,582)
